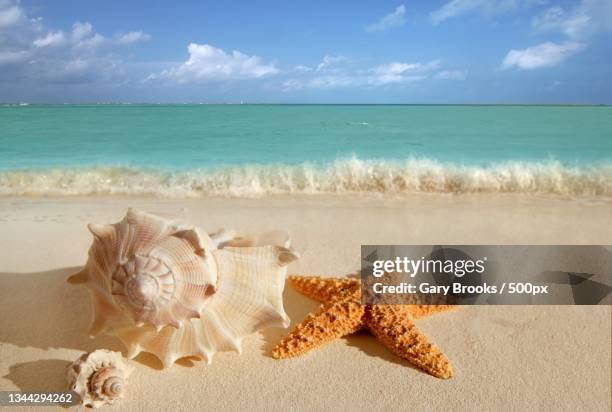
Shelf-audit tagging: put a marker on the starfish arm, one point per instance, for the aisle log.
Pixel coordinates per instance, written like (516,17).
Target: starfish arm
(321,288)
(421,311)
(391,325)
(333,320)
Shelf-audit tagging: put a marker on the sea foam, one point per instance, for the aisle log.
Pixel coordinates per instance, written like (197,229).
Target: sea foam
(346,176)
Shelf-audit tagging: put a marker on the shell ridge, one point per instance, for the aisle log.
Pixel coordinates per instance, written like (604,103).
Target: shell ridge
(227,337)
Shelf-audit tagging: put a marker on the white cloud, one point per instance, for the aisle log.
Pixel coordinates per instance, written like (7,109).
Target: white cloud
(34,54)
(543,55)
(207,63)
(390,21)
(132,37)
(10,14)
(291,84)
(301,68)
(455,8)
(329,76)
(83,35)
(50,40)
(451,75)
(329,62)
(81,31)
(396,72)
(555,18)
(585,19)
(577,24)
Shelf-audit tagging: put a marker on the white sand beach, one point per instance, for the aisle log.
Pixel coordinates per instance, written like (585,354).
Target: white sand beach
(511,358)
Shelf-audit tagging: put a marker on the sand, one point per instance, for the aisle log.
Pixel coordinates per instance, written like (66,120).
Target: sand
(515,358)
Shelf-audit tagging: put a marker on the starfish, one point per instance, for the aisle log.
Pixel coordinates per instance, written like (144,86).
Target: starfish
(342,314)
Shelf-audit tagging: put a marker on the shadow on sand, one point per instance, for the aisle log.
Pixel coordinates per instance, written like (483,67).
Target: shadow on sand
(298,306)
(42,310)
(45,375)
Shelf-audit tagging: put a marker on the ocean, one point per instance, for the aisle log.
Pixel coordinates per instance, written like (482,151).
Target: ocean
(258,150)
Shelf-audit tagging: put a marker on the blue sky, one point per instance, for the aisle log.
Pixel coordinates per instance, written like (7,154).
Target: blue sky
(447,51)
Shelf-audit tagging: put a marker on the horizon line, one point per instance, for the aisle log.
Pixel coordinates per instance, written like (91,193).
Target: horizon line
(242,103)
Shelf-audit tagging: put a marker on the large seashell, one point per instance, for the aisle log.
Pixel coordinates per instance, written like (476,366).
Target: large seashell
(99,378)
(164,287)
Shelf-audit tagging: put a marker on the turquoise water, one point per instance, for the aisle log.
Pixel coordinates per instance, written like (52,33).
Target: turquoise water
(193,150)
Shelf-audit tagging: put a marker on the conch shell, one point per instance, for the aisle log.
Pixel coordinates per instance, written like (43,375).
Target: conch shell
(99,378)
(164,287)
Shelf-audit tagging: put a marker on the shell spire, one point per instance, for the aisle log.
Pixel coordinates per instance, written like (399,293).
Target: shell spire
(99,378)
(164,287)
(151,269)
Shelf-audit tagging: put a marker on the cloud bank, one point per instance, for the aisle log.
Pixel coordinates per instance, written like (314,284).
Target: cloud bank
(34,54)
(339,72)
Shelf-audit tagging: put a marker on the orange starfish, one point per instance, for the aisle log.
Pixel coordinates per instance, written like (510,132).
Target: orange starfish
(342,313)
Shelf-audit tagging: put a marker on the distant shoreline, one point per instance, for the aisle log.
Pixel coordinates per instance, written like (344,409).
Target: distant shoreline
(26,104)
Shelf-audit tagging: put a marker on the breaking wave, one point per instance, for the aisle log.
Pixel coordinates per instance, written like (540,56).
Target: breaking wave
(350,176)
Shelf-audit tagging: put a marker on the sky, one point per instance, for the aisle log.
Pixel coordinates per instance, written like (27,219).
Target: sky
(444,51)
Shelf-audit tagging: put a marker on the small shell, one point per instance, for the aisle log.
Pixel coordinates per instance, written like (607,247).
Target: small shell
(166,288)
(99,378)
